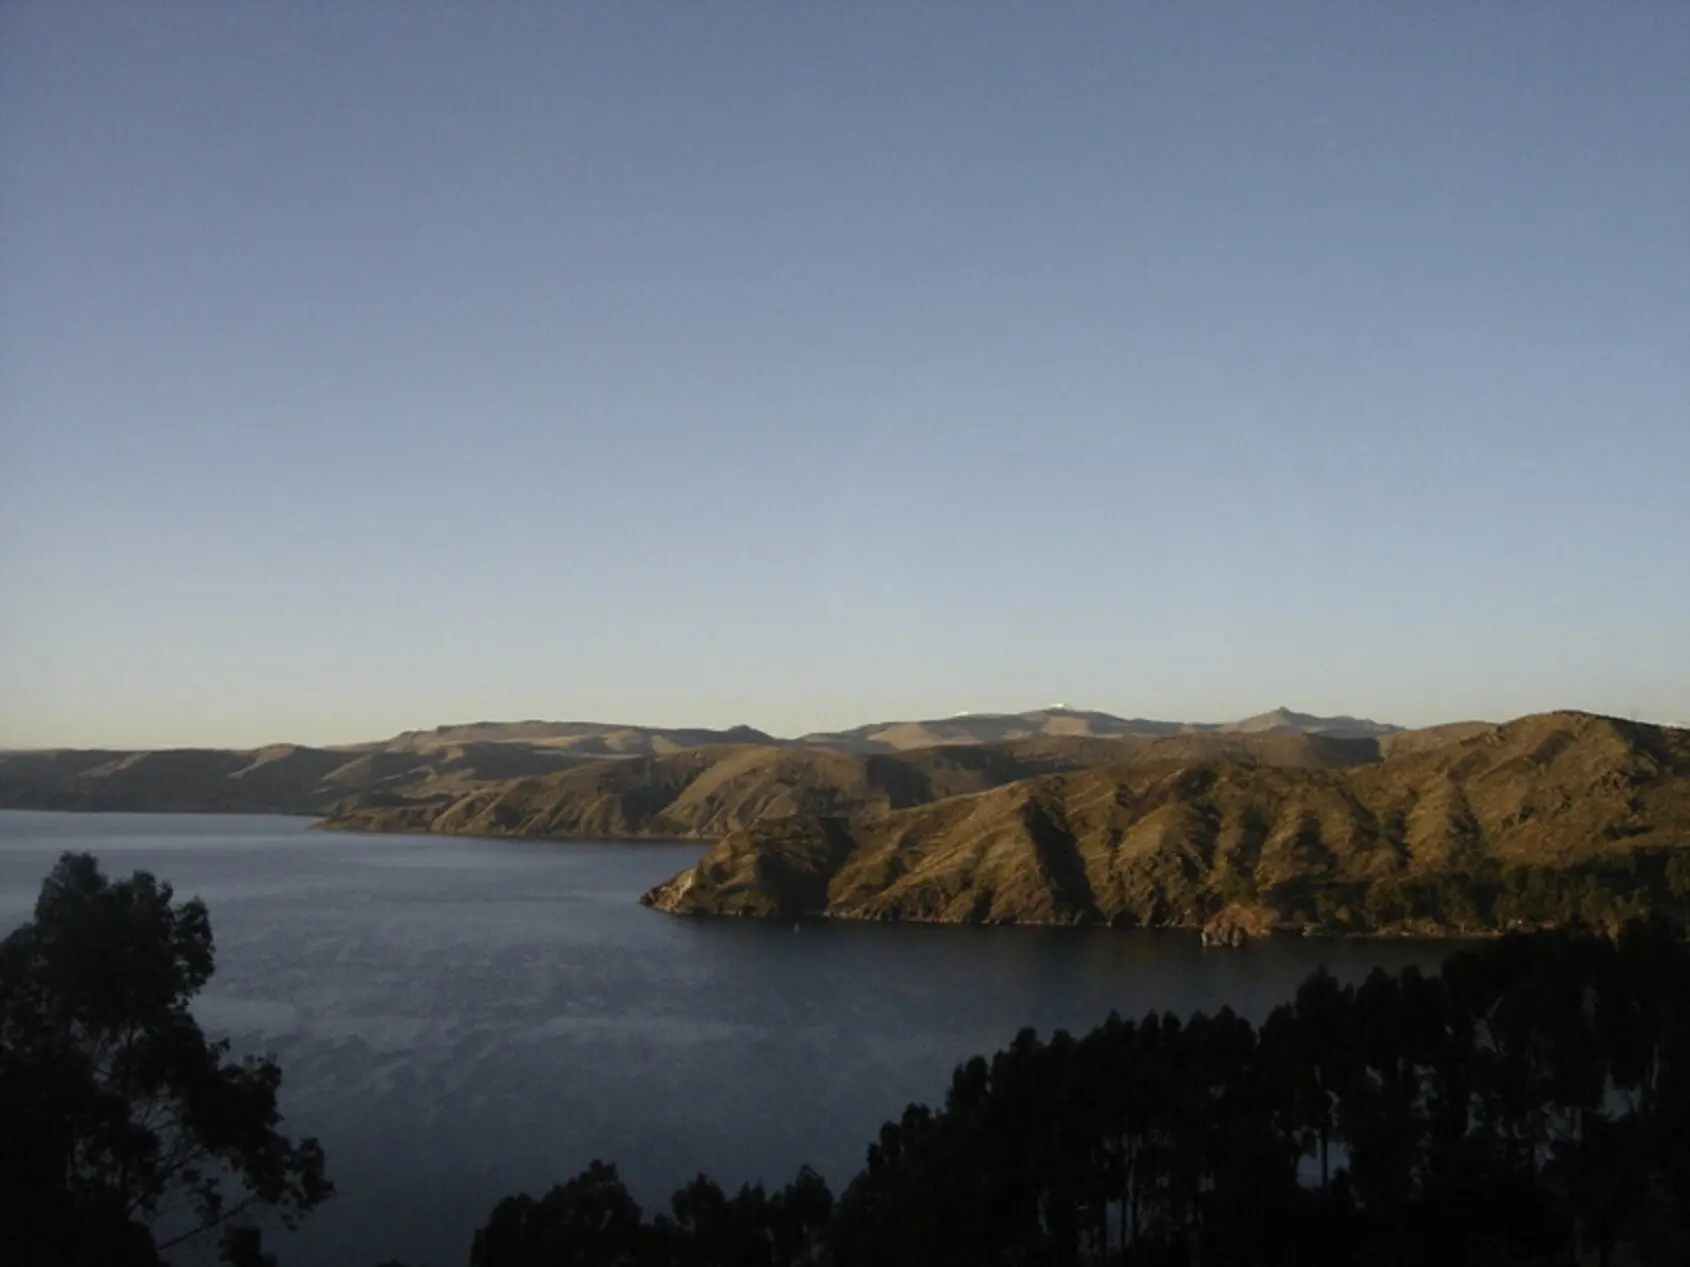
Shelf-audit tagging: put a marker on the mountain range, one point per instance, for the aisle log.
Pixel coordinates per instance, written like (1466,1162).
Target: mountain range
(1550,819)
(426,766)
(1283,821)
(975,728)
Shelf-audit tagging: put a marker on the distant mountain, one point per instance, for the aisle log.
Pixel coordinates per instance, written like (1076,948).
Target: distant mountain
(1284,820)
(417,772)
(1284,721)
(1549,820)
(968,728)
(426,765)
(282,779)
(975,728)
(702,793)
(708,792)
(586,738)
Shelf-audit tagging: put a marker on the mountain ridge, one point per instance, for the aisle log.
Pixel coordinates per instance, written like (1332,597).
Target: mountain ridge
(411,766)
(1061,720)
(1279,821)
(1554,818)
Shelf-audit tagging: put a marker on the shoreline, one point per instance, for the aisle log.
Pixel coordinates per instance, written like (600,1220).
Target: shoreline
(1308,933)
(326,823)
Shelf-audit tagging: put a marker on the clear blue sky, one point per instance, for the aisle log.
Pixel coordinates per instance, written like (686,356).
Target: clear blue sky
(376,365)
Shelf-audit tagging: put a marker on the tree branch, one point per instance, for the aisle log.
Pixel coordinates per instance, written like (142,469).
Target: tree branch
(240,1207)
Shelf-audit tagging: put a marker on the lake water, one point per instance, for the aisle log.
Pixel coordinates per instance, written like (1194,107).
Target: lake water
(462,1019)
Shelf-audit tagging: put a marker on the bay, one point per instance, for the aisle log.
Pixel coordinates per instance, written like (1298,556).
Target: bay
(461,1019)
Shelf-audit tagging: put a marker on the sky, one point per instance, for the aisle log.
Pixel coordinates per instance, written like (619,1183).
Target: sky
(370,366)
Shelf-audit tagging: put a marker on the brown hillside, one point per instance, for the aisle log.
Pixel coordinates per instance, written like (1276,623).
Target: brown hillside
(708,792)
(1399,742)
(1058,721)
(703,792)
(410,782)
(283,779)
(588,739)
(411,769)
(1177,842)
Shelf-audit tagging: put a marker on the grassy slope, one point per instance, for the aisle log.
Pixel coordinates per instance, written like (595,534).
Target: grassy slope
(1165,838)
(707,793)
(412,776)
(418,766)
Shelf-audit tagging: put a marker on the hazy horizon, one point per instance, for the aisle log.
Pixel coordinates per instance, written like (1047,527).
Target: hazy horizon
(340,741)
(371,367)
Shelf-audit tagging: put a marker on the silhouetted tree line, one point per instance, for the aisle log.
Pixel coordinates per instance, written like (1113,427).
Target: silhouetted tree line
(1528,1105)
(592,1220)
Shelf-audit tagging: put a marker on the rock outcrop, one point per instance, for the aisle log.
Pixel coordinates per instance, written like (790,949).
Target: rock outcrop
(1235,925)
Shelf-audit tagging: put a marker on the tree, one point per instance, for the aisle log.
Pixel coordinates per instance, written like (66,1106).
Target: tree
(711,1229)
(1309,1047)
(1528,1104)
(591,1221)
(126,1131)
(799,1214)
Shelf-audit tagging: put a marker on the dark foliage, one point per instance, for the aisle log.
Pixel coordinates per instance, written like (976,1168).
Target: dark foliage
(125,1131)
(1603,895)
(591,1221)
(1529,1105)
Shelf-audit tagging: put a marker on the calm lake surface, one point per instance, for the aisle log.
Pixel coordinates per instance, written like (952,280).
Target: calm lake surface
(461,1019)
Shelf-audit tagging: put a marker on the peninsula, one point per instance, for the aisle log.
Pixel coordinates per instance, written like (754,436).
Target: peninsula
(1280,822)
